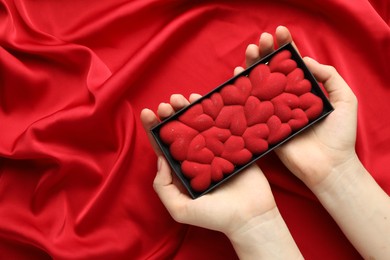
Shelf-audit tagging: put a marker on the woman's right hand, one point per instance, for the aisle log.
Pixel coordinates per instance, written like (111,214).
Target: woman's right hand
(329,144)
(324,158)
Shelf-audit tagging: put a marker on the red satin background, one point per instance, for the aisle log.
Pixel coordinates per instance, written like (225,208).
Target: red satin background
(76,168)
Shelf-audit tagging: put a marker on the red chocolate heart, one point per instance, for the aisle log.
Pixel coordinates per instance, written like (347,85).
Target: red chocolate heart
(233,118)
(283,105)
(215,137)
(257,112)
(238,93)
(213,105)
(255,138)
(178,136)
(220,167)
(265,85)
(195,117)
(201,182)
(277,130)
(198,152)
(235,151)
(227,129)
(311,104)
(296,83)
(281,62)
(298,119)
(198,173)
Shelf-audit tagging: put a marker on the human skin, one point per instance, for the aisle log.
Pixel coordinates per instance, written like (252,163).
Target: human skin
(337,177)
(244,208)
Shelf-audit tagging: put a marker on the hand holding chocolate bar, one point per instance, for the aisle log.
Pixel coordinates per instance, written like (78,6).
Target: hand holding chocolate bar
(323,157)
(223,132)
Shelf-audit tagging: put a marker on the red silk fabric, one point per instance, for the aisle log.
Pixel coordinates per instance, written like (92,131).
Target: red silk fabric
(76,168)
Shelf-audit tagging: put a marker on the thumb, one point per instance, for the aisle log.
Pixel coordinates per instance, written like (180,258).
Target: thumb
(169,193)
(334,84)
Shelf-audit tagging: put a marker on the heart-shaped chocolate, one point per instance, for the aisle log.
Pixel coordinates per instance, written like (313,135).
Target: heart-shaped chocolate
(283,104)
(298,119)
(235,151)
(215,138)
(198,152)
(213,105)
(196,118)
(296,83)
(228,129)
(233,118)
(266,85)
(219,168)
(178,136)
(311,104)
(255,138)
(238,93)
(257,112)
(198,173)
(281,62)
(277,130)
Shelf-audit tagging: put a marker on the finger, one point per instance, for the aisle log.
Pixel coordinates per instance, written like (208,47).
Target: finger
(251,54)
(194,97)
(266,44)
(334,84)
(163,182)
(169,194)
(283,36)
(163,177)
(178,101)
(149,120)
(238,70)
(165,110)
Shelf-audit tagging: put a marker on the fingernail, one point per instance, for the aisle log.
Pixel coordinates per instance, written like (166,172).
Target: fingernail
(265,34)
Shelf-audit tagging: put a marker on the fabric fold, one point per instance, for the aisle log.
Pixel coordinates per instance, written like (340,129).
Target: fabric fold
(76,166)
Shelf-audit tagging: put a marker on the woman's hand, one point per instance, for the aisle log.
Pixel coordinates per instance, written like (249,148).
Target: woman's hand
(328,145)
(248,193)
(324,157)
(243,208)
